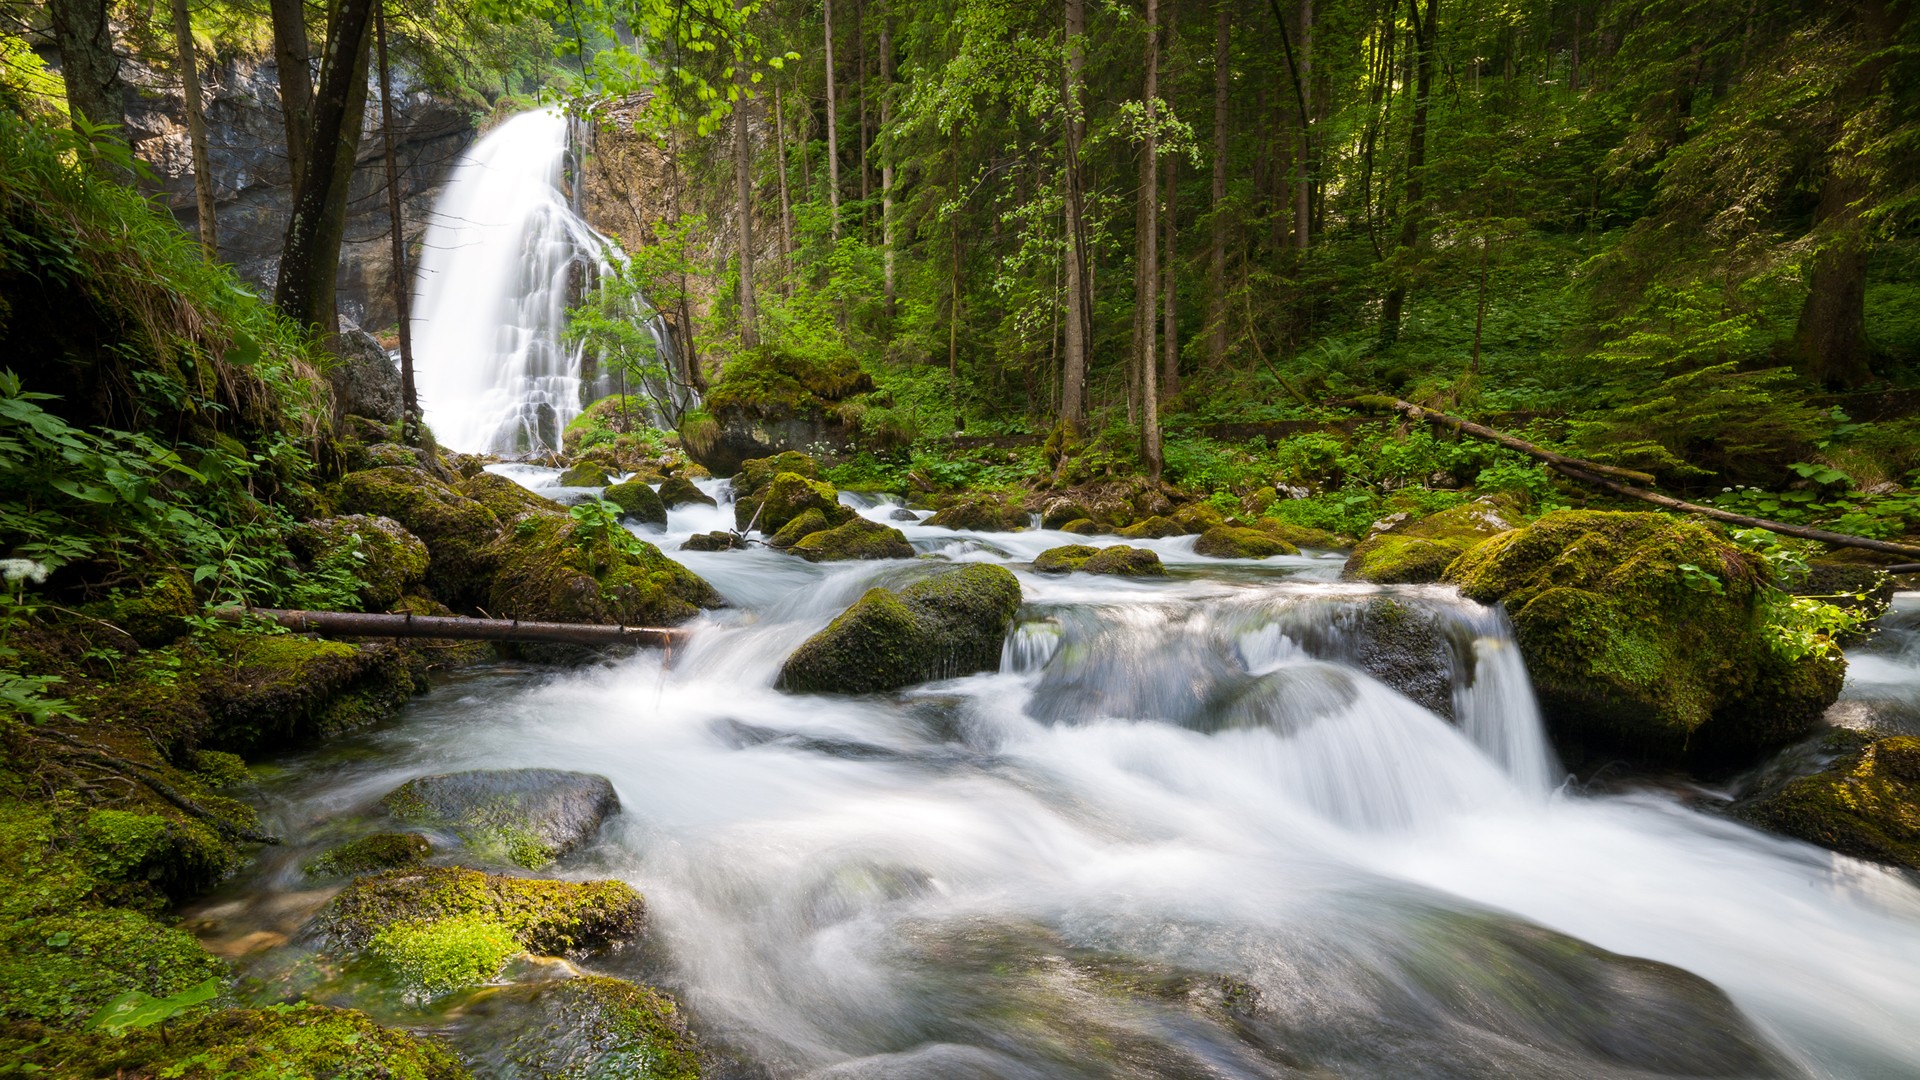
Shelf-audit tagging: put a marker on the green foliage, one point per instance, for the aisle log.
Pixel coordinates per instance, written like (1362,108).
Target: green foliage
(439,957)
(136,1009)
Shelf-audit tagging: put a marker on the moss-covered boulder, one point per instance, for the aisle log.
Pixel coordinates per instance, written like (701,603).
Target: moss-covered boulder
(1866,804)
(458,531)
(1301,535)
(856,538)
(369,854)
(717,540)
(156,613)
(1082,527)
(587,474)
(1156,527)
(285,689)
(1198,518)
(557,569)
(555,918)
(787,497)
(678,491)
(1119,560)
(589,1026)
(388,560)
(637,501)
(273,1043)
(1232,542)
(757,474)
(1056,512)
(809,522)
(1420,550)
(948,624)
(527,816)
(983,513)
(1649,636)
(508,501)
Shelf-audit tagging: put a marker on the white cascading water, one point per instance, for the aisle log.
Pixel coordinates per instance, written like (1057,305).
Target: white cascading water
(503,258)
(1182,833)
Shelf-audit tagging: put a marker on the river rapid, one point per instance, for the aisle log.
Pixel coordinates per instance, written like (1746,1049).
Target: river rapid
(1181,832)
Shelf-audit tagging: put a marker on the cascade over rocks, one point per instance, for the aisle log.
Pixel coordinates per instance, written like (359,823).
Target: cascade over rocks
(526,816)
(1407,552)
(949,624)
(1632,652)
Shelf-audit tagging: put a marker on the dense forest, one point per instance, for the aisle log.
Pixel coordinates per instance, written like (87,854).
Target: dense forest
(1016,490)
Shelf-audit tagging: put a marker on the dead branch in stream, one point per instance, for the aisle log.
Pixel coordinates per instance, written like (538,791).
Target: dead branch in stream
(407,625)
(1600,476)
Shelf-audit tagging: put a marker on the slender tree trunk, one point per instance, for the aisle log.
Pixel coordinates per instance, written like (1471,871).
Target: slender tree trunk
(402,291)
(953,280)
(1079,321)
(311,257)
(1217,242)
(743,203)
(860,72)
(1480,308)
(1150,252)
(1303,186)
(291,57)
(1169,273)
(92,73)
(1426,30)
(786,199)
(196,129)
(886,161)
(833,132)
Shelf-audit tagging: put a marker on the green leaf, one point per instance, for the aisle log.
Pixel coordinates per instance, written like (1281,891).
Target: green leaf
(135,1009)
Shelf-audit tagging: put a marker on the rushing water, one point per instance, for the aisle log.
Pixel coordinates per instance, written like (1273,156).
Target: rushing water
(1180,784)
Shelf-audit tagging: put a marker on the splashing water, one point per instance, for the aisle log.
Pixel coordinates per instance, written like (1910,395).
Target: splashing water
(1185,831)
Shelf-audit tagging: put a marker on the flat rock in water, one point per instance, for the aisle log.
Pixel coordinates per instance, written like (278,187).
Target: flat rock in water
(527,816)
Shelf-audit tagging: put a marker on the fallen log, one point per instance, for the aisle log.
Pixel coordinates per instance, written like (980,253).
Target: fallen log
(1601,476)
(408,625)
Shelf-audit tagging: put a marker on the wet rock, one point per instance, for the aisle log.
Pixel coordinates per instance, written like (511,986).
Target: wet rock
(589,1026)
(1230,542)
(585,474)
(1407,650)
(301,1040)
(1866,804)
(1081,527)
(903,514)
(1198,518)
(1119,559)
(554,918)
(458,531)
(285,689)
(387,559)
(364,378)
(1405,550)
(857,538)
(757,475)
(381,851)
(527,816)
(1648,636)
(509,502)
(552,568)
(1056,513)
(678,491)
(948,624)
(1300,535)
(1153,528)
(809,522)
(983,513)
(638,501)
(787,497)
(718,540)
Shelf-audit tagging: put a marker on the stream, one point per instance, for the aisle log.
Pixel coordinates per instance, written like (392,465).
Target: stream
(1181,832)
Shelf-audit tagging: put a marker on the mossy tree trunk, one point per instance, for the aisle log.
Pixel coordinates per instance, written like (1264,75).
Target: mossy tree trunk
(91,71)
(305,290)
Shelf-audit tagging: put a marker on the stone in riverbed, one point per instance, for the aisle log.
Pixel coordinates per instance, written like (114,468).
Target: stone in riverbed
(638,501)
(789,496)
(1230,542)
(380,851)
(983,513)
(678,491)
(588,1026)
(717,540)
(554,918)
(1153,528)
(948,624)
(1120,560)
(857,538)
(526,816)
(1408,552)
(585,474)
(1867,804)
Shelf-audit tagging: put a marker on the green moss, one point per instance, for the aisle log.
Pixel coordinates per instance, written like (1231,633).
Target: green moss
(1064,559)
(58,968)
(1120,560)
(638,501)
(458,531)
(1866,804)
(552,573)
(773,381)
(381,851)
(1300,535)
(378,552)
(1082,527)
(678,491)
(585,474)
(787,497)
(552,917)
(157,614)
(857,538)
(216,769)
(436,958)
(983,513)
(1647,635)
(1230,542)
(1198,518)
(280,1042)
(612,1029)
(1153,528)
(506,500)
(278,689)
(757,473)
(1420,550)
(948,624)
(809,522)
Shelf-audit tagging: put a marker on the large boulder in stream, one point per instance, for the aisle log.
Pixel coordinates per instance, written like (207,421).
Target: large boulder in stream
(637,501)
(554,918)
(1119,560)
(1231,542)
(1402,552)
(790,496)
(1865,804)
(587,1026)
(557,568)
(856,538)
(526,816)
(1650,636)
(678,491)
(458,531)
(983,513)
(948,624)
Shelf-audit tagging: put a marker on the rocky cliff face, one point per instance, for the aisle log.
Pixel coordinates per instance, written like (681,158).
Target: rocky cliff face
(252,189)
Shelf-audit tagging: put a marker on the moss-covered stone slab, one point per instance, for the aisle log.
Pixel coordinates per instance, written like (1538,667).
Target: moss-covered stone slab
(1120,560)
(556,918)
(857,538)
(1082,527)
(787,497)
(1866,804)
(388,560)
(585,474)
(983,513)
(285,689)
(949,624)
(508,501)
(1153,528)
(368,854)
(1649,636)
(1413,551)
(1232,542)
(678,491)
(458,531)
(1301,535)
(527,816)
(551,568)
(590,1026)
(637,501)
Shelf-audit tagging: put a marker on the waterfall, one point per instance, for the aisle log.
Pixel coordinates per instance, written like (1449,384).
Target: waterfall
(505,255)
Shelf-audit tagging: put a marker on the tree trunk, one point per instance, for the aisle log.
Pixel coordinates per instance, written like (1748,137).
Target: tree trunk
(743,202)
(1217,243)
(87,64)
(786,199)
(1303,186)
(860,73)
(833,132)
(305,290)
(1150,253)
(291,57)
(886,162)
(1425,31)
(1830,344)
(1169,270)
(1079,321)
(402,281)
(196,129)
